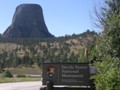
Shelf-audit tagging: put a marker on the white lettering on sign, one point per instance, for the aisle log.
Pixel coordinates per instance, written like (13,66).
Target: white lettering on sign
(80,67)
(70,71)
(71,81)
(67,67)
(74,76)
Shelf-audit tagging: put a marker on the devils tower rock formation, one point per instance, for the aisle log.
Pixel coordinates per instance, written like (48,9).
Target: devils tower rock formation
(28,21)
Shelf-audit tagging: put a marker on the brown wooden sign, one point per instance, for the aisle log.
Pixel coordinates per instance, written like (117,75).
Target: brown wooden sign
(66,74)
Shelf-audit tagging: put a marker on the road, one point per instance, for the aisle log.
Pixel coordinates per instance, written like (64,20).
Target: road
(21,86)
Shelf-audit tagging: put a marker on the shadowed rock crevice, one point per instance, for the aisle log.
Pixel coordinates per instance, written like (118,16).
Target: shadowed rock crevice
(28,22)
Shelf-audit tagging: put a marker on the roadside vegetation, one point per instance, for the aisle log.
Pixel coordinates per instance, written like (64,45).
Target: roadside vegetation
(20,74)
(107,47)
(9,80)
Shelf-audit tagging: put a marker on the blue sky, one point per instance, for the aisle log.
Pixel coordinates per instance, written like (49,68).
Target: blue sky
(62,17)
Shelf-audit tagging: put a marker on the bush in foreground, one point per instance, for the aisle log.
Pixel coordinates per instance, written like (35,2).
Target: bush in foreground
(20,75)
(7,74)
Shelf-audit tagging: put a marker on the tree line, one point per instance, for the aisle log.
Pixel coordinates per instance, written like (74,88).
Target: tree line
(70,48)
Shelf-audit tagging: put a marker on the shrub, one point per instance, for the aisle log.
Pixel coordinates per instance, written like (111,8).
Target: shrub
(7,74)
(20,75)
(108,79)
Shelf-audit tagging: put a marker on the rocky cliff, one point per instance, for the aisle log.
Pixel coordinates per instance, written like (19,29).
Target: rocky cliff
(1,36)
(28,22)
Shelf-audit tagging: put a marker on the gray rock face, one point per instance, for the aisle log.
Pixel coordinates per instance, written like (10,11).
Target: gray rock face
(1,36)
(28,21)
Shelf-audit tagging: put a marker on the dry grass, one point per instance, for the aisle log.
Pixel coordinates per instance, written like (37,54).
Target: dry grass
(8,46)
(34,70)
(9,80)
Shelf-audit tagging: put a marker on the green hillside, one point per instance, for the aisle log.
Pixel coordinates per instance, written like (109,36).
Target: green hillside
(26,52)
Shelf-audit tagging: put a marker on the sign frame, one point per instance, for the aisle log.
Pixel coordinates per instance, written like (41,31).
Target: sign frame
(73,74)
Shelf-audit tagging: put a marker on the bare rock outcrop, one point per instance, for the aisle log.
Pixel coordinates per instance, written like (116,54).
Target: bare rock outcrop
(28,22)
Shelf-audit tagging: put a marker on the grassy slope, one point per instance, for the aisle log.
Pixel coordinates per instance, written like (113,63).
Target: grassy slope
(8,46)
(34,70)
(9,80)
